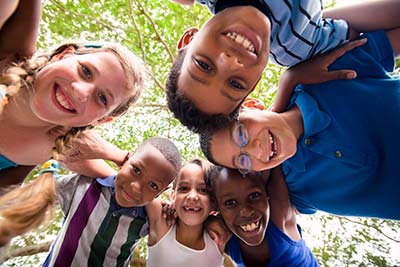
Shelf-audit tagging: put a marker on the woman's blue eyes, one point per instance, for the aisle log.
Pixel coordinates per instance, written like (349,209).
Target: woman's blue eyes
(86,72)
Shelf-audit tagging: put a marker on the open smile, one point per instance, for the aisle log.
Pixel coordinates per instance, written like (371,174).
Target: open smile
(250,227)
(62,100)
(242,40)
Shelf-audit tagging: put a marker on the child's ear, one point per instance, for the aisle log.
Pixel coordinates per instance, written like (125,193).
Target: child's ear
(187,37)
(67,51)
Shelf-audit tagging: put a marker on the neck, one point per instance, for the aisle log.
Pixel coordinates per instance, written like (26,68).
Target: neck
(294,118)
(18,112)
(190,236)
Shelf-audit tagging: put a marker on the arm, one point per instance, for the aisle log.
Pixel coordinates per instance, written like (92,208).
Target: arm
(19,33)
(365,16)
(157,223)
(312,71)
(218,231)
(88,152)
(184,2)
(282,214)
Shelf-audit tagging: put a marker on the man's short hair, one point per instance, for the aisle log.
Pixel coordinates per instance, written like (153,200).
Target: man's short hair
(167,148)
(184,109)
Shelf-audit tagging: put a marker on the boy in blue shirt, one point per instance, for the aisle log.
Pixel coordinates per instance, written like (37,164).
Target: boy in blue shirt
(220,64)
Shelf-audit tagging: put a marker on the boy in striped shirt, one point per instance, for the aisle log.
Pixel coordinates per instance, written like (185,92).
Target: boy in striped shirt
(105,218)
(220,64)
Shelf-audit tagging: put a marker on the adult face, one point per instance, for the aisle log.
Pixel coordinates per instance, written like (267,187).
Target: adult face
(243,204)
(260,140)
(145,175)
(79,90)
(225,59)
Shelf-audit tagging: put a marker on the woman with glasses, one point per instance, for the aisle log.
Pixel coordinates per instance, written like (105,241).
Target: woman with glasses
(336,144)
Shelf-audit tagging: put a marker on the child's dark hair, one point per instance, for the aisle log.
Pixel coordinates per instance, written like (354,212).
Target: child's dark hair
(167,148)
(205,139)
(214,171)
(184,109)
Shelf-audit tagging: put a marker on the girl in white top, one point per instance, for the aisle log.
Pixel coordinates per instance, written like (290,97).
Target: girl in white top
(186,243)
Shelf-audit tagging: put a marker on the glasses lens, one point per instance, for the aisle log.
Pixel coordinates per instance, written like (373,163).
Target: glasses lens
(244,164)
(240,134)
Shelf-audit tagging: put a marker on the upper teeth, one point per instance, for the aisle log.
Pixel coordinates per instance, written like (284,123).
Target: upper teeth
(240,39)
(63,101)
(193,209)
(250,227)
(273,145)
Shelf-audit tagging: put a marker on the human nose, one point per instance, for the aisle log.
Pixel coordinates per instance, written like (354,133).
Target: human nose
(192,195)
(229,61)
(135,186)
(246,211)
(82,90)
(257,149)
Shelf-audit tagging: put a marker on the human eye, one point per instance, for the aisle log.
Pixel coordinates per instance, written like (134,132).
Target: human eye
(136,170)
(235,84)
(255,195)
(230,202)
(240,135)
(153,186)
(244,163)
(202,65)
(203,190)
(86,72)
(103,99)
(183,188)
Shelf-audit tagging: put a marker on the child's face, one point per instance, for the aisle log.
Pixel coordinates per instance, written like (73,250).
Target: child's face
(261,140)
(145,175)
(192,202)
(243,204)
(225,59)
(78,90)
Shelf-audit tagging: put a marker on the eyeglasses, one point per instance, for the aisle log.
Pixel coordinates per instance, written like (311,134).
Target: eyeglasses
(240,136)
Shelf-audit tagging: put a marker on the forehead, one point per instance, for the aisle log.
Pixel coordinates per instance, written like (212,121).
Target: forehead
(190,171)
(154,163)
(231,182)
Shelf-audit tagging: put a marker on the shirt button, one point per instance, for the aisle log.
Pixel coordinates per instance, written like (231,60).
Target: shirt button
(115,214)
(307,141)
(338,154)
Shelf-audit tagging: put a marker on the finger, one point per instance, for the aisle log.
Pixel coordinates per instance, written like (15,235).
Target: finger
(340,75)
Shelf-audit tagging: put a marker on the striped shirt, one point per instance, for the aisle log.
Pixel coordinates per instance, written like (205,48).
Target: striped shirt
(95,231)
(298,31)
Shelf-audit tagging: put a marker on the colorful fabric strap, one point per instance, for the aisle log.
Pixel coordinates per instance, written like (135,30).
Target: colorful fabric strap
(51,166)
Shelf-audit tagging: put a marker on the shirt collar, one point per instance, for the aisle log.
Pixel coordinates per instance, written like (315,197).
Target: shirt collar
(314,120)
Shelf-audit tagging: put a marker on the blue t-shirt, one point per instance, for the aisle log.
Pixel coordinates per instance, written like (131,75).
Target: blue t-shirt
(347,159)
(6,163)
(298,31)
(284,252)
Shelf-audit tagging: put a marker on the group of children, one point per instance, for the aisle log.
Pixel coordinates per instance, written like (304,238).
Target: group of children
(315,155)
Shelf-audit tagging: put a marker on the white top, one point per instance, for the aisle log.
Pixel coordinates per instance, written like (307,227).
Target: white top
(168,252)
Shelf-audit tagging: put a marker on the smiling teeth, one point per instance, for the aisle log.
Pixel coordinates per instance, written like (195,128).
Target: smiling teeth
(273,145)
(63,101)
(191,209)
(250,227)
(242,40)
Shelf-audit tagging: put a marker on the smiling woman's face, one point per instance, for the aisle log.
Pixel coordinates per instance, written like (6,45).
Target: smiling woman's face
(264,138)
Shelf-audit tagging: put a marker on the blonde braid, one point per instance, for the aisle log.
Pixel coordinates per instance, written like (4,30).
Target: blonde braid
(63,143)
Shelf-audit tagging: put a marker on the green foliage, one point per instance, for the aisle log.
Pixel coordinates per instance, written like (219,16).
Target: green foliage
(151,29)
